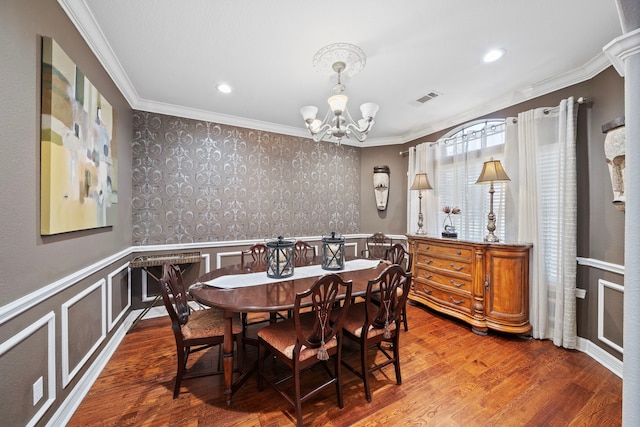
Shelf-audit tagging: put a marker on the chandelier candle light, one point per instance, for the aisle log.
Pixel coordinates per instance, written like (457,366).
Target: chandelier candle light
(492,171)
(345,59)
(420,182)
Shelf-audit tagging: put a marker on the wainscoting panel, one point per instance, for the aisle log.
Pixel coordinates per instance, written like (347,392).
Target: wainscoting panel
(32,350)
(610,314)
(118,294)
(82,331)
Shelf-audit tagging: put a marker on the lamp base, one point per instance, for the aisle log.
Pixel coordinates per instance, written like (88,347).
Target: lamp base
(491,238)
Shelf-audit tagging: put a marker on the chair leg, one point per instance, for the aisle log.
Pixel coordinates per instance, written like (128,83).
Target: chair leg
(404,319)
(181,367)
(338,364)
(298,397)
(365,369)
(261,355)
(396,357)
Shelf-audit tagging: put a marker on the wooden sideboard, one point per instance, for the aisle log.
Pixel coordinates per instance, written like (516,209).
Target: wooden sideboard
(484,284)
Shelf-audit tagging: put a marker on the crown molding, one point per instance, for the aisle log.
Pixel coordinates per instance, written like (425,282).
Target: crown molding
(620,48)
(81,16)
(86,24)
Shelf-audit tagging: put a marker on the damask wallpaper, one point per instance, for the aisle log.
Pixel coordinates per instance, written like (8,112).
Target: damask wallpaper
(197,181)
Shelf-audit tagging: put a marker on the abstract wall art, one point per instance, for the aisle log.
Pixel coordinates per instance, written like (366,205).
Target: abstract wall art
(78,180)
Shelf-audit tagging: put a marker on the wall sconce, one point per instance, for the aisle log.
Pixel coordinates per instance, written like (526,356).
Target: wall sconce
(280,258)
(381,186)
(333,252)
(420,182)
(492,171)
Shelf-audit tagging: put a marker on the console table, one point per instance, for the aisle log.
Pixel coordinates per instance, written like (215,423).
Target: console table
(484,284)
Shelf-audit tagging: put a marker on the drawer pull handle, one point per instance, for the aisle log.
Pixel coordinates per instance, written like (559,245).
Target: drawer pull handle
(458,253)
(429,261)
(426,291)
(457,302)
(427,276)
(457,285)
(456,268)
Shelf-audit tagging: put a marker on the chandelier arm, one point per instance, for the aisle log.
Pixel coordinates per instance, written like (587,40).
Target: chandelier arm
(354,131)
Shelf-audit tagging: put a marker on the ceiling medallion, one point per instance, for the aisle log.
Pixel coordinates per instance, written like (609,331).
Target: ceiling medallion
(344,59)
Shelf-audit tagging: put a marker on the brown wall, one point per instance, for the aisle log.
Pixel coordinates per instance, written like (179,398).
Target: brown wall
(28,260)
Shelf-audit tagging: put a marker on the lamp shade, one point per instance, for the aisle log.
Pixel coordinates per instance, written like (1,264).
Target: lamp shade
(309,112)
(369,109)
(421,182)
(492,171)
(338,103)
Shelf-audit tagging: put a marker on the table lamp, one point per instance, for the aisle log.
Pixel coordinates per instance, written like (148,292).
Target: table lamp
(492,171)
(420,182)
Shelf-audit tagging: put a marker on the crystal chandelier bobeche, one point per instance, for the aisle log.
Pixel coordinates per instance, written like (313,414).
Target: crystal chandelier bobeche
(345,59)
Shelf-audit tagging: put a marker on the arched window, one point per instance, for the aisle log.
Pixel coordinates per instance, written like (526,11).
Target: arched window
(459,157)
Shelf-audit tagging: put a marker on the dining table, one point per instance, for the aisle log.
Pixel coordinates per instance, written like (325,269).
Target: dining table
(246,288)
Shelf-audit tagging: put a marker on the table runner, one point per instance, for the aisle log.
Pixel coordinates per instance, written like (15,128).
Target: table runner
(261,278)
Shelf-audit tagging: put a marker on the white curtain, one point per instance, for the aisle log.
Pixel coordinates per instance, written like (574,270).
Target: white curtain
(543,195)
(421,158)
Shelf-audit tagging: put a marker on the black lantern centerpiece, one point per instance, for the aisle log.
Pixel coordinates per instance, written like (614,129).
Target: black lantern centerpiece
(280,259)
(333,252)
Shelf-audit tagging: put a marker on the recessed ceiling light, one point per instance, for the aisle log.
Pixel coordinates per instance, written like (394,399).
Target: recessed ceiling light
(224,88)
(494,55)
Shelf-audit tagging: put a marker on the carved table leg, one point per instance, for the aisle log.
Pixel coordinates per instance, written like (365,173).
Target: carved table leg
(227,348)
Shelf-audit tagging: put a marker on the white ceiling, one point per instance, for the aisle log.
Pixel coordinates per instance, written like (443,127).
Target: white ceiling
(167,56)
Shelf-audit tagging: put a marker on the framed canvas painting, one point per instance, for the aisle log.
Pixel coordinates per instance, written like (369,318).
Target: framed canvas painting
(78,161)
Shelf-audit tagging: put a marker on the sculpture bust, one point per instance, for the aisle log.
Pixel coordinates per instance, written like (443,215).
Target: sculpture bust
(614,150)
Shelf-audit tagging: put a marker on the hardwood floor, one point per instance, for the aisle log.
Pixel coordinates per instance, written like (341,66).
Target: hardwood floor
(451,377)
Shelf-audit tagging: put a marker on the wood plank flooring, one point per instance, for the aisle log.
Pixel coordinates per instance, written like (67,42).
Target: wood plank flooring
(451,377)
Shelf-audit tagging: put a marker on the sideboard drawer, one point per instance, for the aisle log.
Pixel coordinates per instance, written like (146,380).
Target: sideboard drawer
(461,284)
(439,250)
(433,262)
(442,297)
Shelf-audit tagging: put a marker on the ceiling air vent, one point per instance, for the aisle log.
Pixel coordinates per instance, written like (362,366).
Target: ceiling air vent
(428,97)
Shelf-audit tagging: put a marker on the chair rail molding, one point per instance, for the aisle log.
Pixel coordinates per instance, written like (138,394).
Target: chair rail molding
(601,265)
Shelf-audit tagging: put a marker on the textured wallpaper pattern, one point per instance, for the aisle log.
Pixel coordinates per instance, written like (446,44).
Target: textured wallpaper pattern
(197,181)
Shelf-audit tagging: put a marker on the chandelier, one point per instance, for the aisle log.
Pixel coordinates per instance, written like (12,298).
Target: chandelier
(345,59)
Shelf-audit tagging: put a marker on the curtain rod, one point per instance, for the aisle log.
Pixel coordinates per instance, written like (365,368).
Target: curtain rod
(581,100)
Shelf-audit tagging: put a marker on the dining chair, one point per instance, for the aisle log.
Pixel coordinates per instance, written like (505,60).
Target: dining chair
(303,250)
(307,339)
(194,330)
(370,325)
(397,254)
(376,245)
(254,256)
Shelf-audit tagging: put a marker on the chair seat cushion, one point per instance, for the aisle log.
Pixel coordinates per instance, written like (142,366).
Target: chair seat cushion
(282,336)
(207,323)
(356,317)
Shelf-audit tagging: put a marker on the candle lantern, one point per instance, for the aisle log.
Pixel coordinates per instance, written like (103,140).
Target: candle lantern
(280,258)
(333,252)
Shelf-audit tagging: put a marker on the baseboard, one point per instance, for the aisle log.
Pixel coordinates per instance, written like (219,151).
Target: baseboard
(599,355)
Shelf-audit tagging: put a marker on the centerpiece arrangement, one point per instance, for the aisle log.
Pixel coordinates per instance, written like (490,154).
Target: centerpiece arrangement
(448,229)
